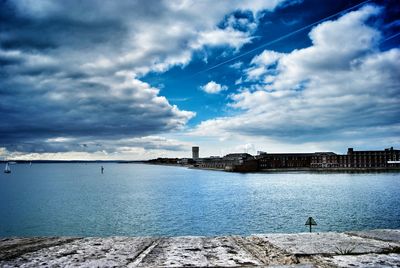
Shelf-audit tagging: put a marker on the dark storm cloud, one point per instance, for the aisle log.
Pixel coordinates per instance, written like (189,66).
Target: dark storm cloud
(9,59)
(53,33)
(92,110)
(47,92)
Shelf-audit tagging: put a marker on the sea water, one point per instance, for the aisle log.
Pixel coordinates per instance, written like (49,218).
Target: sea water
(149,200)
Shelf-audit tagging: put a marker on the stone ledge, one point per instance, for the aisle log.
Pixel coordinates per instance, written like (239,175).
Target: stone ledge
(368,248)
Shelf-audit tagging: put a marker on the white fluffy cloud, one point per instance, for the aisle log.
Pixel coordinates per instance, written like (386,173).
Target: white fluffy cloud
(263,64)
(213,88)
(341,87)
(222,37)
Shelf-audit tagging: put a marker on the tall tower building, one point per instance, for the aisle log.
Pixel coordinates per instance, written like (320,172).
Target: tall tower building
(195,152)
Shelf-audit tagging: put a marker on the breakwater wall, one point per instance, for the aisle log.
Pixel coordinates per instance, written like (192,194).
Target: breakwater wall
(376,248)
(316,170)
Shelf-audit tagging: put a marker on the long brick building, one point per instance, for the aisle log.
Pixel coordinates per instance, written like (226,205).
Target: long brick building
(268,161)
(357,159)
(388,158)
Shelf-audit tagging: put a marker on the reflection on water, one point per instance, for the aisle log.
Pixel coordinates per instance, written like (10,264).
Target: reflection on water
(136,199)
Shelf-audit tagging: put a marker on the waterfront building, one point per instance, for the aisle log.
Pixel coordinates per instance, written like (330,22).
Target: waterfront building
(388,158)
(284,160)
(242,162)
(186,161)
(372,159)
(324,160)
(195,152)
(358,159)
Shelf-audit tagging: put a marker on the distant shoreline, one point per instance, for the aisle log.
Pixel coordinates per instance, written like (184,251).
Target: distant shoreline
(272,170)
(75,161)
(278,170)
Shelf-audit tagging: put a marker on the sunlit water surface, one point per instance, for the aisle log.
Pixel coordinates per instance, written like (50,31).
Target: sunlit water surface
(139,200)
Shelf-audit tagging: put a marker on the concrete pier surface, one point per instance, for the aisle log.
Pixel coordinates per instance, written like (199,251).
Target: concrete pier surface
(376,248)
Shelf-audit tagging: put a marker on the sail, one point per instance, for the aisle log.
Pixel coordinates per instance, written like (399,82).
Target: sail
(7,168)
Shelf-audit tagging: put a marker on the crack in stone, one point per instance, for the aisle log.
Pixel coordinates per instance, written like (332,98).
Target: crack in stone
(138,258)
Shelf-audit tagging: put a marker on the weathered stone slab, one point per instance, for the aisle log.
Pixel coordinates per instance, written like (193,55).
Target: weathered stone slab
(12,248)
(309,265)
(326,243)
(302,250)
(266,252)
(367,260)
(87,252)
(200,252)
(381,234)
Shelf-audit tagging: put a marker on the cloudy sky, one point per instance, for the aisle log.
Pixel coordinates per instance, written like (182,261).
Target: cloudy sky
(132,79)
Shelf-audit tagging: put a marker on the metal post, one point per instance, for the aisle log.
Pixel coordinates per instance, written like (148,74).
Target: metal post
(310,221)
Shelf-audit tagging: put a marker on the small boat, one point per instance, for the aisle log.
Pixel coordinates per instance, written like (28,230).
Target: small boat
(7,169)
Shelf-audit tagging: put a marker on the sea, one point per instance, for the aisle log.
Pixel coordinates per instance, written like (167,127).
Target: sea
(74,199)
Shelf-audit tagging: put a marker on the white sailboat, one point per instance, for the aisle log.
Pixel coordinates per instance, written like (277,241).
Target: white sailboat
(7,169)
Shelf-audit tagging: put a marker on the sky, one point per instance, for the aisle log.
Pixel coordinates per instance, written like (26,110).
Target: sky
(133,80)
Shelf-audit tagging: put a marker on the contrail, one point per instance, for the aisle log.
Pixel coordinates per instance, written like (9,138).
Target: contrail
(281,38)
(390,37)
